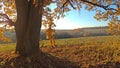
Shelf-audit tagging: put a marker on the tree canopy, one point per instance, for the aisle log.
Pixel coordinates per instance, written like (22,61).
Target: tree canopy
(107,10)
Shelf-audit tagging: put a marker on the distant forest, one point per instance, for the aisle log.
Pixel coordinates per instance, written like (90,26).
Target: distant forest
(61,34)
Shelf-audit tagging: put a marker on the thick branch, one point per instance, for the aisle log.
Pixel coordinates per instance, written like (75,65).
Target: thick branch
(9,21)
(102,6)
(94,4)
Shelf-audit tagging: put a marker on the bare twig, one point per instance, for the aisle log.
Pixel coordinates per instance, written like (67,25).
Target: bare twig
(71,4)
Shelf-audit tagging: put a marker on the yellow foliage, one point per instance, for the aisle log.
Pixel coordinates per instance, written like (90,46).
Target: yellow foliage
(64,6)
(118,12)
(2,37)
(48,23)
(50,33)
(119,26)
(109,2)
(114,28)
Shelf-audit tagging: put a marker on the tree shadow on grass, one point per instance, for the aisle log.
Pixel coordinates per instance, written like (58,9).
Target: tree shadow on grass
(44,60)
(40,60)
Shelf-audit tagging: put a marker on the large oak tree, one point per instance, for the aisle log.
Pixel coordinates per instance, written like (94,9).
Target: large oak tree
(30,13)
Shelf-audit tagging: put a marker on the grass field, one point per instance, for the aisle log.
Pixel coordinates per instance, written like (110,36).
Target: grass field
(7,47)
(83,52)
(90,51)
(95,40)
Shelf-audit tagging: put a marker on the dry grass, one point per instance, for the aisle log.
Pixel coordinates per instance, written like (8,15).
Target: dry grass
(85,52)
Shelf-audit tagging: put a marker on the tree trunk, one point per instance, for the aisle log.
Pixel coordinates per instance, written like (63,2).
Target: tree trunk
(27,27)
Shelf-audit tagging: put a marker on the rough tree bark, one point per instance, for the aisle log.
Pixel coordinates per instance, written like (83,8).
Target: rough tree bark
(27,27)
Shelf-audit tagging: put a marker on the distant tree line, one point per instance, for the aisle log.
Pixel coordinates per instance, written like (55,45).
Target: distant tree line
(62,34)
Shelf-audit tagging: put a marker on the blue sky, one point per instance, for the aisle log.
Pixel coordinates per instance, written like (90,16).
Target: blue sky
(78,19)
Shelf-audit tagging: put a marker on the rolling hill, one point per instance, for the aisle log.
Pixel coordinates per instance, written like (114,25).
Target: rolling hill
(61,34)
